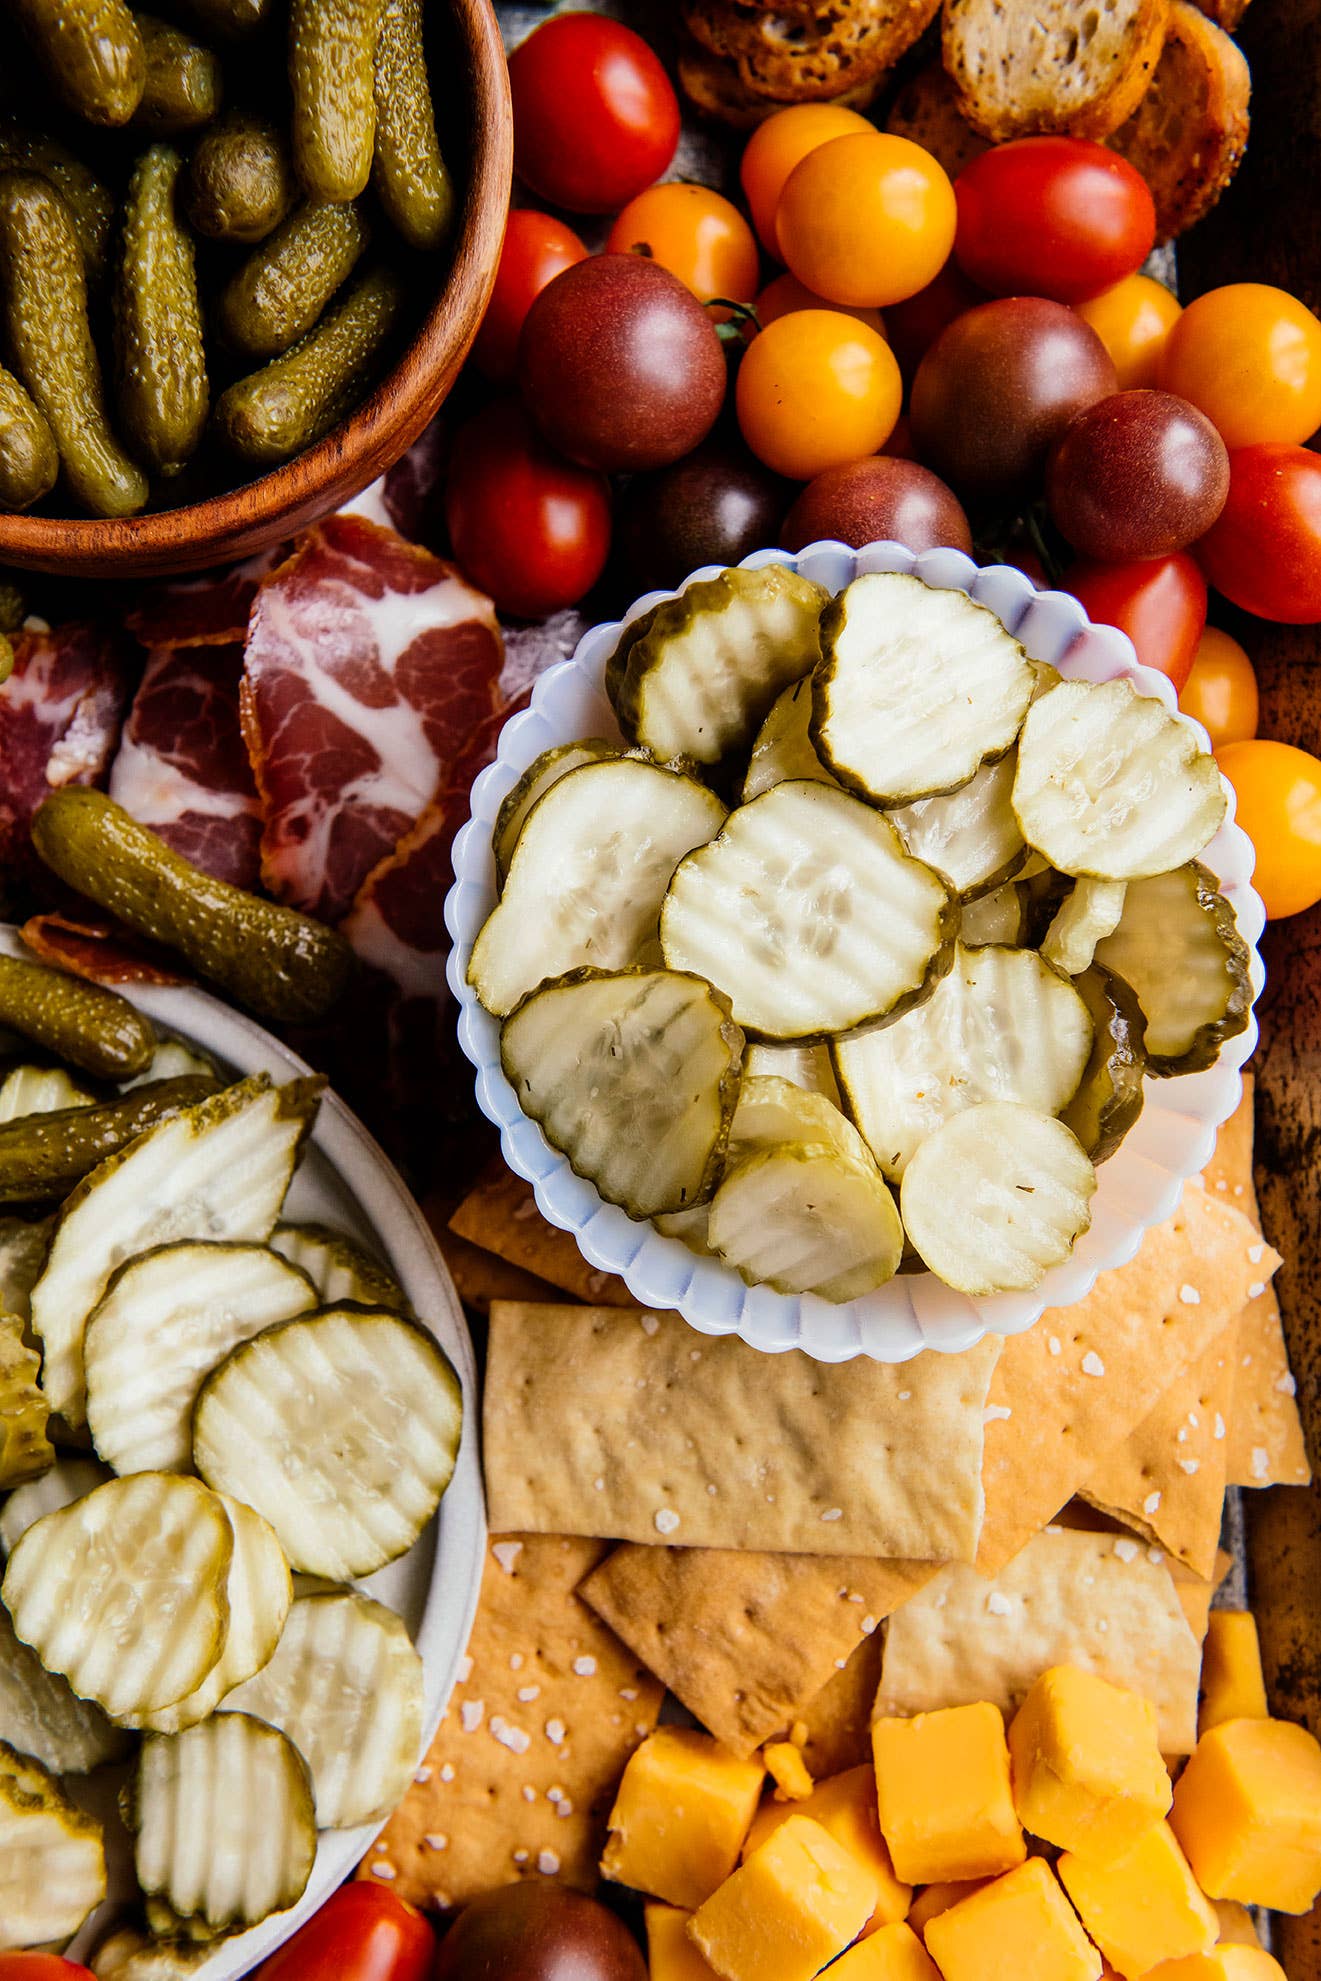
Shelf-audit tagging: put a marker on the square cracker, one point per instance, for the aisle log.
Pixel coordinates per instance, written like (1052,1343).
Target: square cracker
(500,1214)
(481,1277)
(1167,1479)
(1094,1600)
(837,1722)
(630,1426)
(522,1773)
(1078,1384)
(746,1641)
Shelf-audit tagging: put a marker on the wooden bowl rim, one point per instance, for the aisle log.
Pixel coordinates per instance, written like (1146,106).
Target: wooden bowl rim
(375,435)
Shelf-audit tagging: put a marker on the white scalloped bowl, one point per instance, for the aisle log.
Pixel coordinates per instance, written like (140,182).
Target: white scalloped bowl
(1137,1188)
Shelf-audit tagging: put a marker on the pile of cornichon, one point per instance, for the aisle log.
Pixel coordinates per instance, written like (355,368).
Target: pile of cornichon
(201,261)
(875,906)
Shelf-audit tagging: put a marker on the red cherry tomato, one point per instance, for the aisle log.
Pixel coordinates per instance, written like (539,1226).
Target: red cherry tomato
(526,526)
(41,1967)
(536,249)
(1057,217)
(1264,551)
(362,1933)
(1160,602)
(595,115)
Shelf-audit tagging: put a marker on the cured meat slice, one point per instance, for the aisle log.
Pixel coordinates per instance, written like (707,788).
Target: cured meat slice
(60,712)
(182,768)
(405,497)
(370,665)
(210,610)
(92,946)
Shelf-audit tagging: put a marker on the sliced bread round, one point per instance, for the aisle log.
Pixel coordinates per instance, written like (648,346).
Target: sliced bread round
(808,50)
(1188,134)
(1038,66)
(927,111)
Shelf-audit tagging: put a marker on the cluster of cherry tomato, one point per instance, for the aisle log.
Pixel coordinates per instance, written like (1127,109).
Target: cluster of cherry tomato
(937,362)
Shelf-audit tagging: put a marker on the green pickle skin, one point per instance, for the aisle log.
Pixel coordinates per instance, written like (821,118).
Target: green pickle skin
(184,82)
(332,56)
(226,19)
(29,459)
(296,400)
(241,180)
(92,207)
(280,291)
(92,52)
(160,359)
(46,326)
(411,179)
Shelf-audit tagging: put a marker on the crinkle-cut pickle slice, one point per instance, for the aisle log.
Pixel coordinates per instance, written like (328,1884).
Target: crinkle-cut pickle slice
(997,1196)
(1111,785)
(772,1110)
(782,748)
(25,1448)
(916,687)
(346,1686)
(1177,944)
(1003,1025)
(52,1856)
(809,914)
(125,1591)
(1110,1093)
(1089,912)
(588,876)
(43,1717)
(970,835)
(67,1480)
(341,1429)
(633,1075)
(338,1267)
(541,773)
(804,1218)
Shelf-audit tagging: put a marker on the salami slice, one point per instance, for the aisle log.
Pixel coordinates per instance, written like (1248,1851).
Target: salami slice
(60,712)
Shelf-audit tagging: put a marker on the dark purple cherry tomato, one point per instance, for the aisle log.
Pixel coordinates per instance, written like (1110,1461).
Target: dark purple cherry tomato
(538,1933)
(879,499)
(713,507)
(620,365)
(1137,475)
(1059,217)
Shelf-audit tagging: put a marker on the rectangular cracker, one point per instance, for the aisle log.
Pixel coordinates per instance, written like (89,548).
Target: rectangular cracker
(746,1641)
(1095,1600)
(500,1214)
(630,1426)
(1167,1479)
(837,1722)
(1197,1592)
(1078,1384)
(522,1773)
(481,1277)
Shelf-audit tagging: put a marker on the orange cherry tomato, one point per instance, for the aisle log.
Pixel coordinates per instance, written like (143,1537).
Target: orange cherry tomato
(867,219)
(695,233)
(1221,691)
(1249,357)
(786,294)
(1133,320)
(816,390)
(1278,789)
(776,146)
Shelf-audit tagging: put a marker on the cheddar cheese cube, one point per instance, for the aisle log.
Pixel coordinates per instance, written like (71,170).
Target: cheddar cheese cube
(894,1953)
(789,1908)
(943,1791)
(1235,1922)
(671,1955)
(788,1770)
(680,1816)
(1018,1928)
(1224,1963)
(1247,1809)
(1144,1907)
(935,1899)
(1232,1684)
(845,1805)
(1087,1767)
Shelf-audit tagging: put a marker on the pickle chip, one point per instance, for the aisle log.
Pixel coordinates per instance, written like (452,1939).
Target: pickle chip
(338,1267)
(804,1217)
(223,1823)
(970,835)
(1109,1096)
(52,1856)
(782,747)
(346,1686)
(67,1480)
(42,1716)
(124,1592)
(25,1447)
(1176,943)
(40,1090)
(545,770)
(1089,912)
(772,1109)
(128,1955)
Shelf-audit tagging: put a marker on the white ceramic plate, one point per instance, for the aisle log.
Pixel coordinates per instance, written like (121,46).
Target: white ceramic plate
(344,1180)
(1137,1188)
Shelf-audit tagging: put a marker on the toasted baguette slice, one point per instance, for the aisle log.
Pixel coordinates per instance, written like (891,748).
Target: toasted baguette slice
(1189,132)
(1225,13)
(807,50)
(927,110)
(716,90)
(1063,65)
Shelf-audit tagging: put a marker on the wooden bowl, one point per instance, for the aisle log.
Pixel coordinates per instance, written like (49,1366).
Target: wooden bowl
(262,512)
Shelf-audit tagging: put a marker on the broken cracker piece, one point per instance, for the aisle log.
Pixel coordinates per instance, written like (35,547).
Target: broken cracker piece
(500,1215)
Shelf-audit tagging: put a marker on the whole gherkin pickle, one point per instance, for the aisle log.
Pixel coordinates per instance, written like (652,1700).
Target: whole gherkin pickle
(241,179)
(92,52)
(298,398)
(411,178)
(92,207)
(283,286)
(160,360)
(13,604)
(224,20)
(332,54)
(44,316)
(29,460)
(184,81)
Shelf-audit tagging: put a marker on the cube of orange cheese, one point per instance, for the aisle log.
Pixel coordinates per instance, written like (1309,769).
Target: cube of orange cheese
(1232,1684)
(1235,1923)
(1087,1767)
(789,1908)
(1018,1928)
(845,1805)
(1247,1809)
(671,1955)
(932,1900)
(1224,1963)
(1142,1908)
(680,1816)
(894,1953)
(943,1791)
(788,1770)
